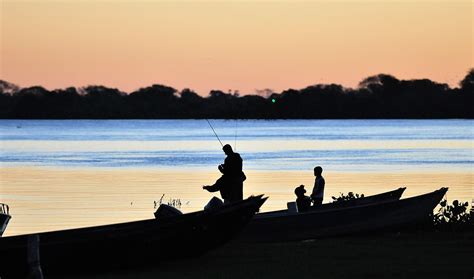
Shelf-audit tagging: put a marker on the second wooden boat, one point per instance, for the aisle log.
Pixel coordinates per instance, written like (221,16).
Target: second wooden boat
(286,226)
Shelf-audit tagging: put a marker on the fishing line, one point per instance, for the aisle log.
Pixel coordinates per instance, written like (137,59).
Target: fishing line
(214,132)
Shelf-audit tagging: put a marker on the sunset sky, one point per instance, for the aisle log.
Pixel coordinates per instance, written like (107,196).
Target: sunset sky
(239,45)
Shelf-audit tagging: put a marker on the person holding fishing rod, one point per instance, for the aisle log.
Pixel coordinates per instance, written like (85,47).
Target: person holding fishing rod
(230,184)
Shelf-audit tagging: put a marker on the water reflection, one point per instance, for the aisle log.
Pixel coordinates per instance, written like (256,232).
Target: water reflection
(43,199)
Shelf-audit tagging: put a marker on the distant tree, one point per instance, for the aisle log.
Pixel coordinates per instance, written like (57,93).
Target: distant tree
(31,102)
(7,103)
(103,102)
(190,104)
(216,94)
(156,101)
(189,95)
(465,96)
(265,93)
(156,90)
(385,90)
(422,98)
(8,88)
(221,105)
(99,91)
(67,104)
(379,81)
(254,106)
(467,84)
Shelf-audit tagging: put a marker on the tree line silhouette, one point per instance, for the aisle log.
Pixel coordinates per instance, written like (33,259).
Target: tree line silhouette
(379,96)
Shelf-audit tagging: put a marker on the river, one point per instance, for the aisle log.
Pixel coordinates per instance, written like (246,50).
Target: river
(58,174)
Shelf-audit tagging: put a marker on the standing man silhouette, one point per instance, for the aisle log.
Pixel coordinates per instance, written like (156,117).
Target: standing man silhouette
(230,184)
(318,190)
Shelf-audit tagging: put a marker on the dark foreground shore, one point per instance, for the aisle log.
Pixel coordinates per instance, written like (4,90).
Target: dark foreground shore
(401,255)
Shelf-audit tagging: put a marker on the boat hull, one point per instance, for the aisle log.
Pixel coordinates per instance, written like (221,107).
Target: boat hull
(341,221)
(128,244)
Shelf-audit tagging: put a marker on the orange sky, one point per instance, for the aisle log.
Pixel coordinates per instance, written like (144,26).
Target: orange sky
(240,45)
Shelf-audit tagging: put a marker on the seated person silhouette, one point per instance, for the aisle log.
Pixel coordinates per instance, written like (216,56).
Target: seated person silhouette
(303,202)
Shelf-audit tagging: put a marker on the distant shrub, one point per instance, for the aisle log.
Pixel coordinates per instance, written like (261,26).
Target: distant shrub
(349,196)
(453,217)
(176,203)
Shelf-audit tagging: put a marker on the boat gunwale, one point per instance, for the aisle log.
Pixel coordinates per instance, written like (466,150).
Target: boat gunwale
(399,191)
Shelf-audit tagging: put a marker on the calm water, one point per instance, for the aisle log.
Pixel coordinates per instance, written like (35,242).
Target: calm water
(61,174)
(347,145)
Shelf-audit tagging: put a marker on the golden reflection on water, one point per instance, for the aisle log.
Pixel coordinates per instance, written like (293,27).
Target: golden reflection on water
(45,199)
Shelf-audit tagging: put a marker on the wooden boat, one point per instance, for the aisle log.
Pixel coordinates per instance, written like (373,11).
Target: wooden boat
(386,196)
(4,217)
(127,244)
(341,221)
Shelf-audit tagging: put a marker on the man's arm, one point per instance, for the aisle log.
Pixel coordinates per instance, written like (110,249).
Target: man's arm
(216,187)
(212,188)
(227,166)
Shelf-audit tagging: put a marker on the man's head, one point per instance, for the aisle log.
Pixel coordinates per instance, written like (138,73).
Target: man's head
(318,171)
(227,149)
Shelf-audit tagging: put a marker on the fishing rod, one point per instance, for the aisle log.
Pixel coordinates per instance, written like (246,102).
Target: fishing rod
(214,132)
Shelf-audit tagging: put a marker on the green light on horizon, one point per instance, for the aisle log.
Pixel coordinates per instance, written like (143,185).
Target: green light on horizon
(274,100)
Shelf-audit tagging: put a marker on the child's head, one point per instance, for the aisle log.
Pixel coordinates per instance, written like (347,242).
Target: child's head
(318,171)
(300,191)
